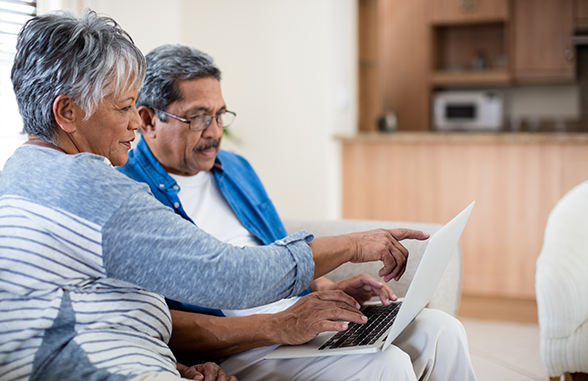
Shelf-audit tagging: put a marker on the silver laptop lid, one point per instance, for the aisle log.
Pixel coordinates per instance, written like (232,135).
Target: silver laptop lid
(429,272)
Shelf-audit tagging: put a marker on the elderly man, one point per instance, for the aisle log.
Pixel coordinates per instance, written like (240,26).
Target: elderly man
(183,115)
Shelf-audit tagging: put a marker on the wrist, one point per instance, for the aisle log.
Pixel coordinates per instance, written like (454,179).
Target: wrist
(273,328)
(352,248)
(321,284)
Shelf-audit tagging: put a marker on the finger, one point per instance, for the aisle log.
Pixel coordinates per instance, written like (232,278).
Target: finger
(193,375)
(360,282)
(391,263)
(339,312)
(402,233)
(386,295)
(337,296)
(221,376)
(400,254)
(210,371)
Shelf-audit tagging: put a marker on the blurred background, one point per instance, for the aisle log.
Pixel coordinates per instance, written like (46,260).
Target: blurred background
(391,110)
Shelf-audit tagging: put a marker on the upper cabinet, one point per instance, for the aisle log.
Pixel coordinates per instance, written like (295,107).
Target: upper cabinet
(468,11)
(542,41)
(409,49)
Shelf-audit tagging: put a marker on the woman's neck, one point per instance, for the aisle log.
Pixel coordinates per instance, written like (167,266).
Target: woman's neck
(37,141)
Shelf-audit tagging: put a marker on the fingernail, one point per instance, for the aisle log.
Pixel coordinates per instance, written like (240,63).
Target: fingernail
(344,326)
(357,306)
(364,318)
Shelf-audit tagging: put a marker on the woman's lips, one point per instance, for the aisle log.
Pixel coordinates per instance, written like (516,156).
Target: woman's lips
(128,143)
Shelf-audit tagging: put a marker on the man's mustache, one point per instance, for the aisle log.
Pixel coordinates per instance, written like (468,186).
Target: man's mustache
(212,143)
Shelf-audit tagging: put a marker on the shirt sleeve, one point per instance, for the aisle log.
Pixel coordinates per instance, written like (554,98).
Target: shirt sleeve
(146,243)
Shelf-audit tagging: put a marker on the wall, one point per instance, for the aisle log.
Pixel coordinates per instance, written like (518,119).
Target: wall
(289,71)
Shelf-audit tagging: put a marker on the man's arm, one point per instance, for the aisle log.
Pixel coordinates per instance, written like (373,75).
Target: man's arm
(214,336)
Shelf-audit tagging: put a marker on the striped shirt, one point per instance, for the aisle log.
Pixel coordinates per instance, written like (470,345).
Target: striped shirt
(85,257)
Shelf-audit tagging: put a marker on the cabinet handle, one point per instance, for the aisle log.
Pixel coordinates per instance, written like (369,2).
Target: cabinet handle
(467,5)
(569,53)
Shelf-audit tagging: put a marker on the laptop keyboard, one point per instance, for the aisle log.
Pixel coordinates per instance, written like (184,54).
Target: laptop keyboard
(380,318)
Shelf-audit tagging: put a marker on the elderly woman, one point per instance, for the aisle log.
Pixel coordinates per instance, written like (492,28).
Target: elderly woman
(86,253)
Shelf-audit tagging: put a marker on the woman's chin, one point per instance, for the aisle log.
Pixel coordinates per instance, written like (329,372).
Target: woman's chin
(119,159)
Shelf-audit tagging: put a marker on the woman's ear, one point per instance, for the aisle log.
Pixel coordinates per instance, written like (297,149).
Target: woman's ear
(147,121)
(65,113)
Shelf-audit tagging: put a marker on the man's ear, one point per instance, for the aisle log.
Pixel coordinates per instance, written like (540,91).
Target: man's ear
(147,121)
(66,112)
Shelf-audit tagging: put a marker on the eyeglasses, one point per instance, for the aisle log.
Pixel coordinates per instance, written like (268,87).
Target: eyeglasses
(202,122)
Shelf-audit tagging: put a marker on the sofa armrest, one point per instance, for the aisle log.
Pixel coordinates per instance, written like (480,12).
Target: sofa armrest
(447,296)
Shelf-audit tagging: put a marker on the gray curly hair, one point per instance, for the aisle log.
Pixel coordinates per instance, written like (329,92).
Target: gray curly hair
(86,58)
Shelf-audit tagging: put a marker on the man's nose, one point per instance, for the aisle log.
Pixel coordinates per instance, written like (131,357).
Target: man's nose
(214,130)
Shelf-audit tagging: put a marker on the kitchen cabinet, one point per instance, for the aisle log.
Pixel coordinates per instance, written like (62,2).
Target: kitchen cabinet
(468,11)
(394,50)
(581,14)
(515,179)
(542,49)
(470,54)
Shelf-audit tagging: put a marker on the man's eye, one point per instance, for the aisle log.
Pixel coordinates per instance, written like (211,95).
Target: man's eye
(200,118)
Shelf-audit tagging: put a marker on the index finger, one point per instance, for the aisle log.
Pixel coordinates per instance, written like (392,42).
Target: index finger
(402,233)
(337,296)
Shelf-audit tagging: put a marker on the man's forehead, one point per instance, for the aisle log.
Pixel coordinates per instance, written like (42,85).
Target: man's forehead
(200,94)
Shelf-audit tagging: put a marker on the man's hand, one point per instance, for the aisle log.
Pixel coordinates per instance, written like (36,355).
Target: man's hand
(315,313)
(384,245)
(204,372)
(363,287)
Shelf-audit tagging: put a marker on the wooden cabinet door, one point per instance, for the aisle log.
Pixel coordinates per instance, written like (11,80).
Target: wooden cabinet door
(581,14)
(465,11)
(542,44)
(393,63)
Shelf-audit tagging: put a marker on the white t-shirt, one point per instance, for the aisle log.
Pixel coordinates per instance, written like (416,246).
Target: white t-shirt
(204,203)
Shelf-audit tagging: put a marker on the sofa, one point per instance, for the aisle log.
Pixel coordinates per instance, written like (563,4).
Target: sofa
(447,296)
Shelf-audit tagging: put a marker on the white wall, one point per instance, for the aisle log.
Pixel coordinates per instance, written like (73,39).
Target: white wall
(289,71)
(149,22)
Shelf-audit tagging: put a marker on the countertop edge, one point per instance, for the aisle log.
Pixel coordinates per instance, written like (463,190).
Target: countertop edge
(426,137)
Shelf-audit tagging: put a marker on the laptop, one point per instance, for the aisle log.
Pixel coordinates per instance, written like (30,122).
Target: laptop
(393,319)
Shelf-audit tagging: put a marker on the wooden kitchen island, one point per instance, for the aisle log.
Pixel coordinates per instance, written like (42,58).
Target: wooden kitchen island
(515,178)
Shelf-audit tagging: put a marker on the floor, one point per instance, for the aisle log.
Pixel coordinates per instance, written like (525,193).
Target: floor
(504,351)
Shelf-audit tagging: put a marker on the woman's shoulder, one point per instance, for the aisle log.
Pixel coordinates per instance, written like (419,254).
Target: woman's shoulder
(84,184)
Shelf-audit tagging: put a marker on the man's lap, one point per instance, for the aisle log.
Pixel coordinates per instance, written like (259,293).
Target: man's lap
(395,362)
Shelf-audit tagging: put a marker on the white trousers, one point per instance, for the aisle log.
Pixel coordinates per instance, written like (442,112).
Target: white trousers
(432,348)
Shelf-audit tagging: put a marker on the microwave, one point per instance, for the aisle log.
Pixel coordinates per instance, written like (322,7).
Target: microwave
(467,110)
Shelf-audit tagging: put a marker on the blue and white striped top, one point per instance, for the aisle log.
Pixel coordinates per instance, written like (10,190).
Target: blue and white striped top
(85,257)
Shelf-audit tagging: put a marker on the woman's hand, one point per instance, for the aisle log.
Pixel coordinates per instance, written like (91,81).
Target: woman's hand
(204,372)
(384,245)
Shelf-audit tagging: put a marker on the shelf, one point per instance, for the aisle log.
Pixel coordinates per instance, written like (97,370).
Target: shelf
(470,78)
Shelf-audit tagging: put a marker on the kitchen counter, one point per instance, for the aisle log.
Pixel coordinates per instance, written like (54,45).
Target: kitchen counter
(515,178)
(534,138)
